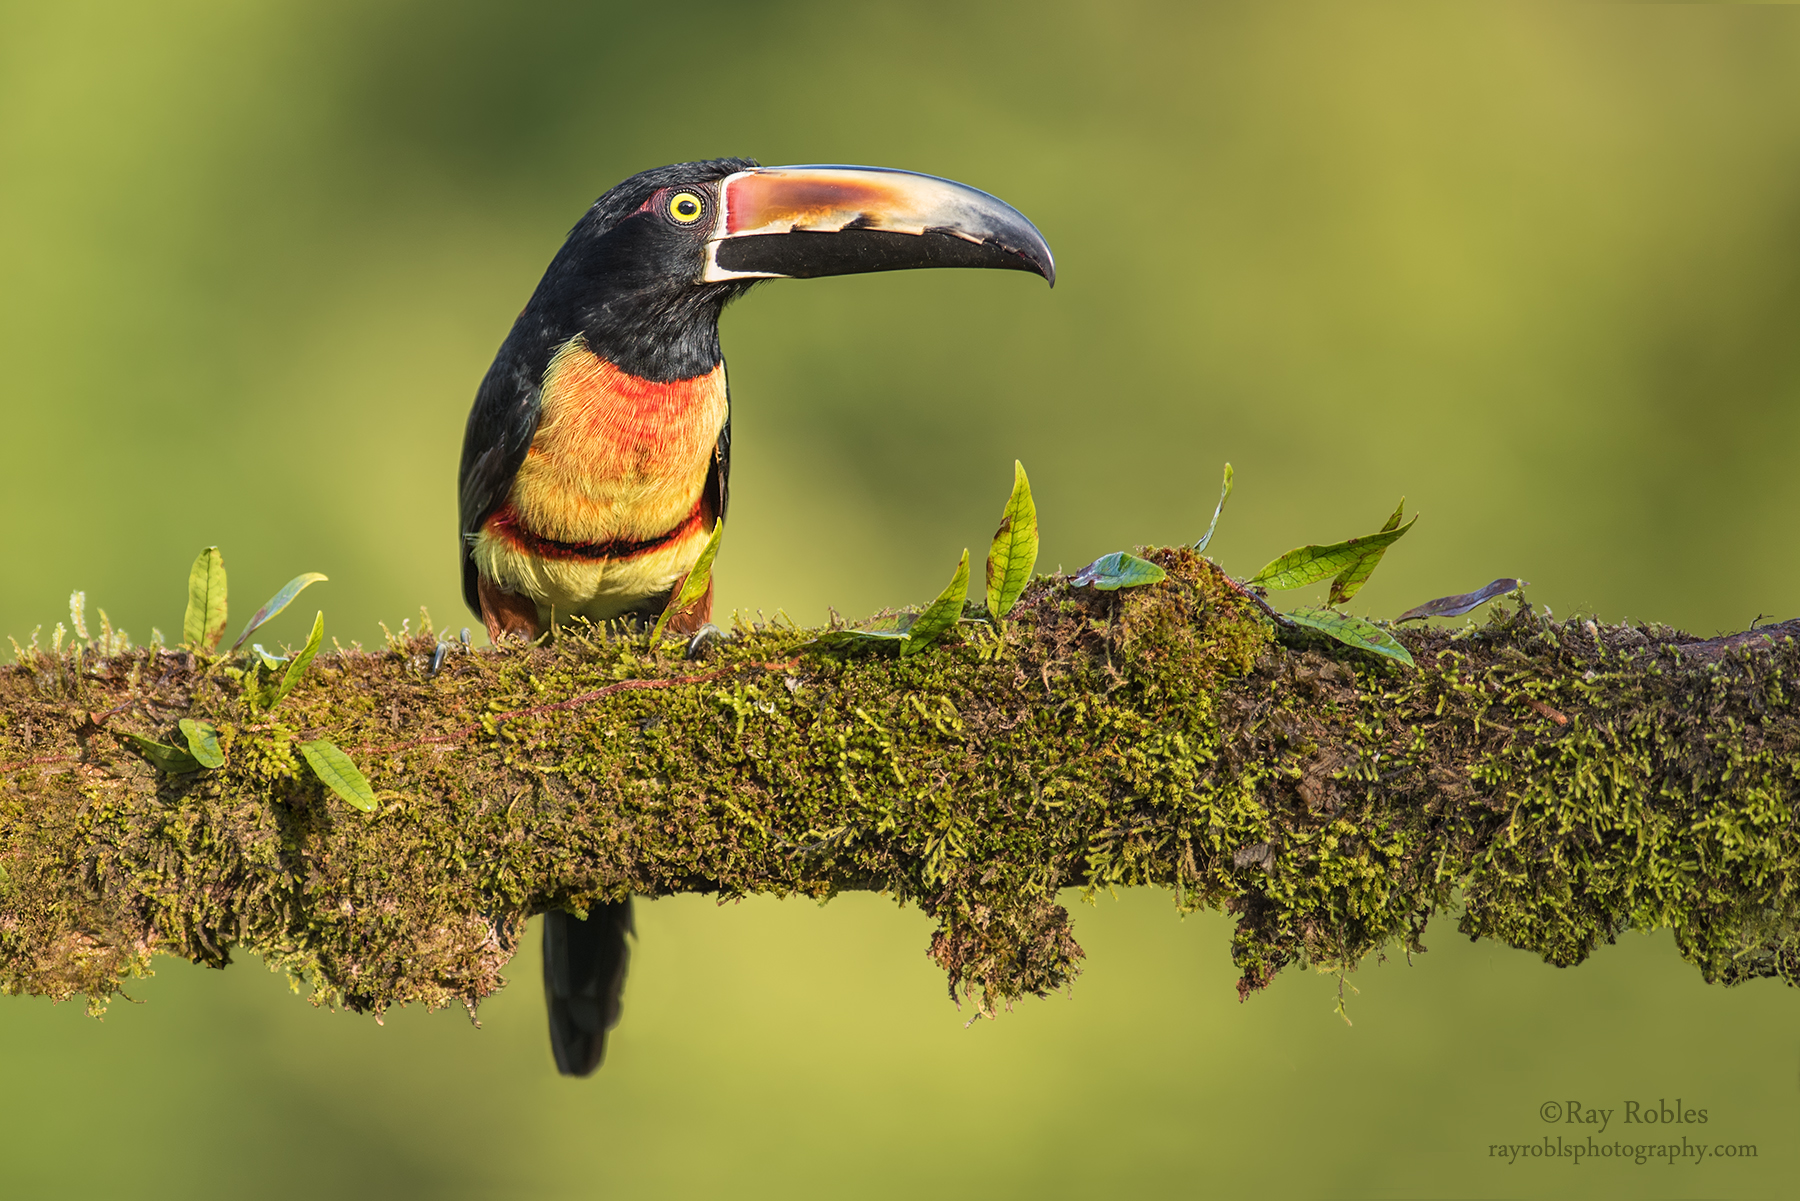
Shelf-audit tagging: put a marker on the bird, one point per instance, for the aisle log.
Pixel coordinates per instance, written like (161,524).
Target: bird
(597,457)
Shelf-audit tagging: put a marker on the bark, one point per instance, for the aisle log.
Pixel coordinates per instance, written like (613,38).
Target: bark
(1559,781)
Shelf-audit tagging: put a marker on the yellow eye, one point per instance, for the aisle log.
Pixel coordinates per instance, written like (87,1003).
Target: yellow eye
(685,207)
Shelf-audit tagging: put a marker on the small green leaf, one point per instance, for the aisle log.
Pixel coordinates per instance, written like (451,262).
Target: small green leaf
(1350,580)
(1353,631)
(269,661)
(1462,602)
(1224,495)
(163,757)
(858,642)
(339,773)
(278,602)
(204,623)
(203,742)
(1309,564)
(942,614)
(1118,570)
(302,659)
(694,587)
(885,632)
(1015,549)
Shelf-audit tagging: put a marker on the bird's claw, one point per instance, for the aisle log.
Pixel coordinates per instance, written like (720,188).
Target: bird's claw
(703,640)
(443,648)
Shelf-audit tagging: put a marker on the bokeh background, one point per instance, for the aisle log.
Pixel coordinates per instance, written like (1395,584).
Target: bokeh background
(1536,267)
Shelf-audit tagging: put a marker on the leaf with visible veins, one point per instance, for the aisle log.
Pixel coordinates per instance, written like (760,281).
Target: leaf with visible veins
(1353,631)
(1350,580)
(1015,549)
(1309,564)
(204,624)
(942,614)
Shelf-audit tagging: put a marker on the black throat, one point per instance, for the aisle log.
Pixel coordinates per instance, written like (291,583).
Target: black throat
(657,338)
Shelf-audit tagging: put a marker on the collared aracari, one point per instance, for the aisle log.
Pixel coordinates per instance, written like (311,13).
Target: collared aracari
(598,451)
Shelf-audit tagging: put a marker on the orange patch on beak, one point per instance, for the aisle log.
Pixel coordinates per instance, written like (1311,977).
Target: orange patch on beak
(773,201)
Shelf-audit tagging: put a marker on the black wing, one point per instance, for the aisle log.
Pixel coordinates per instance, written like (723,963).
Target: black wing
(717,494)
(584,981)
(501,426)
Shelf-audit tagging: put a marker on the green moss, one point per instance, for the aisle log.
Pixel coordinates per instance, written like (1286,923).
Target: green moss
(1154,736)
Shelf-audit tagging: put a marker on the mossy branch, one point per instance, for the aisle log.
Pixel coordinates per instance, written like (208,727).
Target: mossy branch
(1569,780)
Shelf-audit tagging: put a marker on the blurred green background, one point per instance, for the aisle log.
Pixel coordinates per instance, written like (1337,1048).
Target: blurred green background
(1536,267)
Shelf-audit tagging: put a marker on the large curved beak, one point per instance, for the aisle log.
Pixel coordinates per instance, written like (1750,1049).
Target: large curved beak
(804,222)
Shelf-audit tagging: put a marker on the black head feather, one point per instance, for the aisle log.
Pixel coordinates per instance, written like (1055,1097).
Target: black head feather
(626,198)
(626,280)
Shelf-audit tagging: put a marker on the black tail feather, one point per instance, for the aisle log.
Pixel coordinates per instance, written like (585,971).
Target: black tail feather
(584,979)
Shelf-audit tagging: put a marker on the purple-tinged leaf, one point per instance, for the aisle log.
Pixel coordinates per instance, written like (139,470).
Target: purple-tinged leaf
(1462,602)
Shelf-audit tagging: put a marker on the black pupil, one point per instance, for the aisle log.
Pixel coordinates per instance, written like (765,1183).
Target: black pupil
(686,208)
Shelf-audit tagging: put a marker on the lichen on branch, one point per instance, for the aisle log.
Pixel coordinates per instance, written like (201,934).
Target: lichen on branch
(1568,780)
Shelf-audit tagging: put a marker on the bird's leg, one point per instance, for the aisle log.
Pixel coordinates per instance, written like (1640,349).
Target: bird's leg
(507,613)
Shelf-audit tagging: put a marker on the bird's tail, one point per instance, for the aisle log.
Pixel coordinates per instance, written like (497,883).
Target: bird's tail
(584,978)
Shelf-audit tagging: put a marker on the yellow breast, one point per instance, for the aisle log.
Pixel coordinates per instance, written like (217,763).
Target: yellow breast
(616,459)
(616,456)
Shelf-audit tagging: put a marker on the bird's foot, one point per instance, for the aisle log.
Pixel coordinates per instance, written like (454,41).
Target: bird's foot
(444,647)
(704,639)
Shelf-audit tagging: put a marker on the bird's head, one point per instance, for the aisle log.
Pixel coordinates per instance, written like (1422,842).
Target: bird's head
(645,273)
